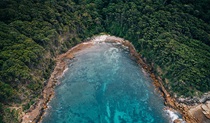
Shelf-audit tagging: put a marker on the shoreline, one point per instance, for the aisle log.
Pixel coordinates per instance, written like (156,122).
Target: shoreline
(37,111)
(168,100)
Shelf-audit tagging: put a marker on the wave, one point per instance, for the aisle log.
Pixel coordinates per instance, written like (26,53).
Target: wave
(174,116)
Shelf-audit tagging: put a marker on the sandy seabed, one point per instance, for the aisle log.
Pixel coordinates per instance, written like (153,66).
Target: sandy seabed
(37,111)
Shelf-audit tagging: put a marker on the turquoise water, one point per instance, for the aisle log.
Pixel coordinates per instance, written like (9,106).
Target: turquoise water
(104,85)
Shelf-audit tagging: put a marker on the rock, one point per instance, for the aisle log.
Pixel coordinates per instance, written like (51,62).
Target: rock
(208,104)
(202,100)
(188,101)
(206,109)
(177,121)
(205,98)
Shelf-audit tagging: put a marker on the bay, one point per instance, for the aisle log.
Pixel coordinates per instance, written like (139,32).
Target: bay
(105,85)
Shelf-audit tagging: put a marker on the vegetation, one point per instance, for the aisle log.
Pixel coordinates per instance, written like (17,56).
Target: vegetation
(173,36)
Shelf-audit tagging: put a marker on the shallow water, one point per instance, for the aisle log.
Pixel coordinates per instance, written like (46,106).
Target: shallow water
(104,85)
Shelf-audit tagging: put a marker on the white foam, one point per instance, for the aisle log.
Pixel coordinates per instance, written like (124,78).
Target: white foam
(100,38)
(86,42)
(66,69)
(173,116)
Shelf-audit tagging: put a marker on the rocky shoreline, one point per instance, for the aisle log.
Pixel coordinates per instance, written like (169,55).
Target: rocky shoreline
(37,111)
(196,113)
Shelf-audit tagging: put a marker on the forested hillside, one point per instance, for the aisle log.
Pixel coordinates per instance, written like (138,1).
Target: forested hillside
(172,35)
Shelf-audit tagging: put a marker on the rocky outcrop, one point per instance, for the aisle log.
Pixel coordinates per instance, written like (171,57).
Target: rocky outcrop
(195,100)
(199,107)
(177,121)
(205,97)
(206,109)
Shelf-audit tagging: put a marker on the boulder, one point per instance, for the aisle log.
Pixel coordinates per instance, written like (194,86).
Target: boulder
(206,109)
(177,121)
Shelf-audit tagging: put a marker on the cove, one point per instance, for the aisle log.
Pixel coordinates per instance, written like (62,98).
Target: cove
(104,84)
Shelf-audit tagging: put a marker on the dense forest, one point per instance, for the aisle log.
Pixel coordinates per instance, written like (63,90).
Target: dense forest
(171,35)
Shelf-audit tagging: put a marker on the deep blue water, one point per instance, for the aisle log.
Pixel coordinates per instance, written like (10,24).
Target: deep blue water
(104,85)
